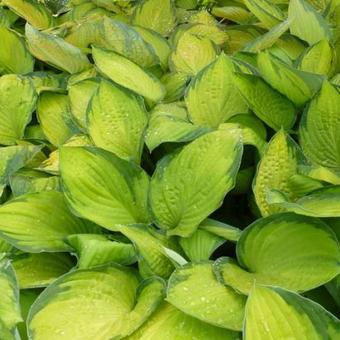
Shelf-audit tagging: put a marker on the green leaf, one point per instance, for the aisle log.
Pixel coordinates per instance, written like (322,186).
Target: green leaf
(155,15)
(223,230)
(297,85)
(117,120)
(128,74)
(40,270)
(236,14)
(194,290)
(307,23)
(175,85)
(27,222)
(207,169)
(269,308)
(94,250)
(120,305)
(103,188)
(15,111)
(55,51)
(269,105)
(47,81)
(286,250)
(212,97)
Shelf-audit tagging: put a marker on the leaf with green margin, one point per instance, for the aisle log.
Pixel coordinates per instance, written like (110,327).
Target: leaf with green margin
(103,188)
(55,51)
(155,15)
(307,23)
(277,166)
(40,270)
(48,81)
(53,112)
(175,85)
(236,14)
(120,305)
(194,290)
(27,223)
(311,254)
(296,85)
(150,249)
(116,121)
(319,129)
(302,184)
(191,54)
(212,96)
(170,123)
(5,248)
(223,230)
(94,250)
(128,74)
(269,105)
(32,11)
(14,55)
(200,245)
(190,184)
(169,323)
(269,308)
(15,111)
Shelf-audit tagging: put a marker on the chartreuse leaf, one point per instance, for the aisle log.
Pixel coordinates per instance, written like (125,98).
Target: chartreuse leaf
(153,257)
(277,166)
(103,188)
(311,254)
(307,23)
(116,121)
(55,51)
(128,74)
(223,230)
(192,54)
(212,96)
(39,270)
(194,290)
(14,56)
(175,85)
(5,247)
(55,118)
(94,250)
(269,105)
(269,308)
(15,110)
(34,12)
(297,85)
(120,305)
(155,15)
(10,314)
(236,14)
(319,128)
(170,123)
(27,222)
(189,185)
(169,323)
(47,81)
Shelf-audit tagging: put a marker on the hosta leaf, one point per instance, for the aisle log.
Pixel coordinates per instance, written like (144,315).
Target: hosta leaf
(192,54)
(15,111)
(32,11)
(158,16)
(169,323)
(14,56)
(307,23)
(223,230)
(269,105)
(55,118)
(39,270)
(297,85)
(47,81)
(319,128)
(334,289)
(128,74)
(212,96)
(55,51)
(194,290)
(175,85)
(151,250)
(116,121)
(233,13)
(102,187)
(114,311)
(269,308)
(27,223)
(94,250)
(207,169)
(308,261)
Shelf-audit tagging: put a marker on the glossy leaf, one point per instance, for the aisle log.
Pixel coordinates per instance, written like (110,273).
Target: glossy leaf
(223,230)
